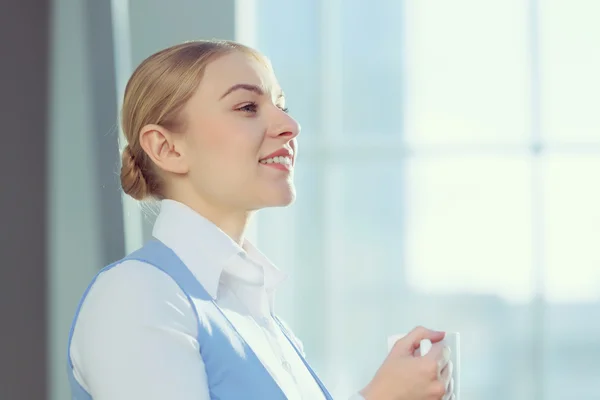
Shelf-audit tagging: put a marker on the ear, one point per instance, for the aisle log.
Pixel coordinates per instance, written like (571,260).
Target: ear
(159,144)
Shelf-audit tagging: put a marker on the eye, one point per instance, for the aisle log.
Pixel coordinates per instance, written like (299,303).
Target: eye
(250,108)
(281,106)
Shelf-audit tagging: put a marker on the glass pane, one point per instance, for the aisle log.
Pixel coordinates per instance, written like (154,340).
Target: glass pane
(289,34)
(572,228)
(469,226)
(570,61)
(467,72)
(372,67)
(572,257)
(468,263)
(363,225)
(571,351)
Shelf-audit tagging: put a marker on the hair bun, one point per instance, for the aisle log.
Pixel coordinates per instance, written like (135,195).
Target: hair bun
(132,178)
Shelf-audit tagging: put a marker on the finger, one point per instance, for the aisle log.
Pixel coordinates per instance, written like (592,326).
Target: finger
(435,353)
(441,354)
(444,360)
(424,348)
(412,340)
(446,376)
(449,391)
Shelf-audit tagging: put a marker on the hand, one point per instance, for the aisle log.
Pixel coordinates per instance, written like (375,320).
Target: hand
(406,376)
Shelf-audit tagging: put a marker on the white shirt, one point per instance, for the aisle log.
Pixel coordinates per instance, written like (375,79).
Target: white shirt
(135,337)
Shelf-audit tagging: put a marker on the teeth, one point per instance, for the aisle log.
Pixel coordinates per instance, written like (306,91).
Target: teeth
(277,160)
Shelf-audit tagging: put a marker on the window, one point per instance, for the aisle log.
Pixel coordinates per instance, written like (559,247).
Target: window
(448,176)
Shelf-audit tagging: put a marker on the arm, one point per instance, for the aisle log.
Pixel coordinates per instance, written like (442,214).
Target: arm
(135,338)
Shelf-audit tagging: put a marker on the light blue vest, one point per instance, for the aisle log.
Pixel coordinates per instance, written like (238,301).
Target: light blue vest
(233,373)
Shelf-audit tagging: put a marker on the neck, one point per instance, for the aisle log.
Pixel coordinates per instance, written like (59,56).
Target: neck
(231,221)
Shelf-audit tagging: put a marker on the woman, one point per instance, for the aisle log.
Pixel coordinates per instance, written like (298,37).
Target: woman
(189,316)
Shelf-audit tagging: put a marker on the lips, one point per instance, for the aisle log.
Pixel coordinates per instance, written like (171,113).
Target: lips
(283,152)
(282,159)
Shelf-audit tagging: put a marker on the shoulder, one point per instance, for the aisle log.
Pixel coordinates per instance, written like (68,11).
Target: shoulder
(128,298)
(135,323)
(130,279)
(131,286)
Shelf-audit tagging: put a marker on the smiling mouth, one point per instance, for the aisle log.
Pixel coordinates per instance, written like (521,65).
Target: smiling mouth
(279,162)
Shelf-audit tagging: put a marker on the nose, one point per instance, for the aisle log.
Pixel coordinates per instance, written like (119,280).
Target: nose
(285,126)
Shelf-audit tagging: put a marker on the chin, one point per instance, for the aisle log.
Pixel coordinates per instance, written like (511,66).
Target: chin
(278,198)
(284,199)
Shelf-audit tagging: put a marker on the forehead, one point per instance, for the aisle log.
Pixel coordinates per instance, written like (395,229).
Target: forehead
(235,68)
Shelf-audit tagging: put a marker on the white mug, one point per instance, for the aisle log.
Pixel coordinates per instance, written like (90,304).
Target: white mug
(452,340)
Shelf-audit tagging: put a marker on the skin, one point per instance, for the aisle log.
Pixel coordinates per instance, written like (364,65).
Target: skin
(235,118)
(405,375)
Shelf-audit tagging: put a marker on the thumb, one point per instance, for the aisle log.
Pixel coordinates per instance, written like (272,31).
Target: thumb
(411,342)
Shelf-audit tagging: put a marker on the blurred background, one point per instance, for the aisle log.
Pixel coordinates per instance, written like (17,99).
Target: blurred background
(448,176)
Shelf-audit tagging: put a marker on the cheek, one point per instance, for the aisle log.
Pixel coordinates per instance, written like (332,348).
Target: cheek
(229,145)
(244,141)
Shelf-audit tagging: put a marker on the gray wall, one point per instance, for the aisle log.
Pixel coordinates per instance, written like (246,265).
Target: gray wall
(23,110)
(62,209)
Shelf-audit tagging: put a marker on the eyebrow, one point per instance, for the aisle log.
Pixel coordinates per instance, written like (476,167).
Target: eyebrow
(245,86)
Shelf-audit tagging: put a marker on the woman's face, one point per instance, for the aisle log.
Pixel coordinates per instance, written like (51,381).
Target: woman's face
(239,141)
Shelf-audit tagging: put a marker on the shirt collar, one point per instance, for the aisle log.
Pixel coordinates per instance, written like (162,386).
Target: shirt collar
(206,250)
(272,276)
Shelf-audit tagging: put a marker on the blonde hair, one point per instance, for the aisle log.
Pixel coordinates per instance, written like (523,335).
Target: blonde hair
(156,94)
